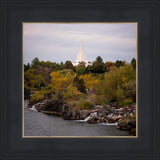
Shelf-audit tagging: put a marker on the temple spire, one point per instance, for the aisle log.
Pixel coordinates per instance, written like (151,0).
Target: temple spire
(81,56)
(81,44)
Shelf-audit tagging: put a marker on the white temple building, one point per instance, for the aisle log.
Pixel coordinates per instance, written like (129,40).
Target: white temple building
(81,56)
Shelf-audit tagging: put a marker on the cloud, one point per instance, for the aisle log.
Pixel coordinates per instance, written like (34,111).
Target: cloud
(61,42)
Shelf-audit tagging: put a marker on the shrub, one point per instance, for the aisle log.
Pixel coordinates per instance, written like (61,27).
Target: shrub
(87,105)
(89,81)
(133,117)
(71,93)
(125,119)
(65,71)
(36,98)
(92,98)
(127,102)
(122,122)
(83,104)
(81,70)
(130,90)
(40,95)
(101,99)
(120,96)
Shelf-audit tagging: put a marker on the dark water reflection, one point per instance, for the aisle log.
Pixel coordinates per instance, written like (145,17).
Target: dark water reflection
(39,124)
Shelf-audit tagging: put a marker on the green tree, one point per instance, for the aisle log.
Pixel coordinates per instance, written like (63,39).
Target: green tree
(98,67)
(99,59)
(90,69)
(133,63)
(33,80)
(119,63)
(35,62)
(26,67)
(68,65)
(120,83)
(61,66)
(79,84)
(81,69)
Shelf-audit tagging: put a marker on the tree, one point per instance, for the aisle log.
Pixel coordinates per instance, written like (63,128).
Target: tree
(68,65)
(130,89)
(120,83)
(60,81)
(90,69)
(61,66)
(119,63)
(80,70)
(98,67)
(79,84)
(63,85)
(99,59)
(89,81)
(35,62)
(133,63)
(27,67)
(108,65)
(33,80)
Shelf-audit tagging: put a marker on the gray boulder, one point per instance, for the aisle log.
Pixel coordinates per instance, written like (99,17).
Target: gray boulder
(83,114)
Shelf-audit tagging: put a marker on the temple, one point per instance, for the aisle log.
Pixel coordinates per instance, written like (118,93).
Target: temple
(81,56)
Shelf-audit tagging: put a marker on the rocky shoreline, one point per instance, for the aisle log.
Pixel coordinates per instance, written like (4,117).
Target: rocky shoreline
(123,118)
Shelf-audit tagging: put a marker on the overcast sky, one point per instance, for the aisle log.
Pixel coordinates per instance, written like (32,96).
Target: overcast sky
(61,42)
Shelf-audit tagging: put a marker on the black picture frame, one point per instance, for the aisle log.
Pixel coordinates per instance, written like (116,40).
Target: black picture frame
(146,146)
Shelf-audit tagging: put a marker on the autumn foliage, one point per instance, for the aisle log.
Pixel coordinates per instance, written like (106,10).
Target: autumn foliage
(85,86)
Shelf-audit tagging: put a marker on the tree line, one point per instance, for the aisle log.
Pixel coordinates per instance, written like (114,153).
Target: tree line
(98,83)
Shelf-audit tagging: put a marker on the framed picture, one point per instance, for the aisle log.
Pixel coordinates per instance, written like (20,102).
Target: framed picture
(79,80)
(80,89)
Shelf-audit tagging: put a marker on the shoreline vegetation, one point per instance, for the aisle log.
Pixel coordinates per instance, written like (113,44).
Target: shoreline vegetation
(99,93)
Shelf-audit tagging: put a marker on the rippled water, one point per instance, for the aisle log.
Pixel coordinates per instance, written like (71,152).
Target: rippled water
(39,124)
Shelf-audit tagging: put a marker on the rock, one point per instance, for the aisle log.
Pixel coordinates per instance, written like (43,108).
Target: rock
(102,113)
(51,113)
(77,114)
(50,105)
(66,112)
(132,123)
(69,113)
(110,120)
(99,107)
(92,120)
(40,106)
(116,118)
(83,114)
(72,115)
(128,125)
(29,106)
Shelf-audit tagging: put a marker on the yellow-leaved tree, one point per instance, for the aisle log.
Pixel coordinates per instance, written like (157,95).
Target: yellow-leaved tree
(63,84)
(89,81)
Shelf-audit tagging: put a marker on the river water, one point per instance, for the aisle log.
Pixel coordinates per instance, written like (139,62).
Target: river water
(39,124)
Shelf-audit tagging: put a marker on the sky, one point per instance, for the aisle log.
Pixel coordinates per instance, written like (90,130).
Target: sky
(58,42)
